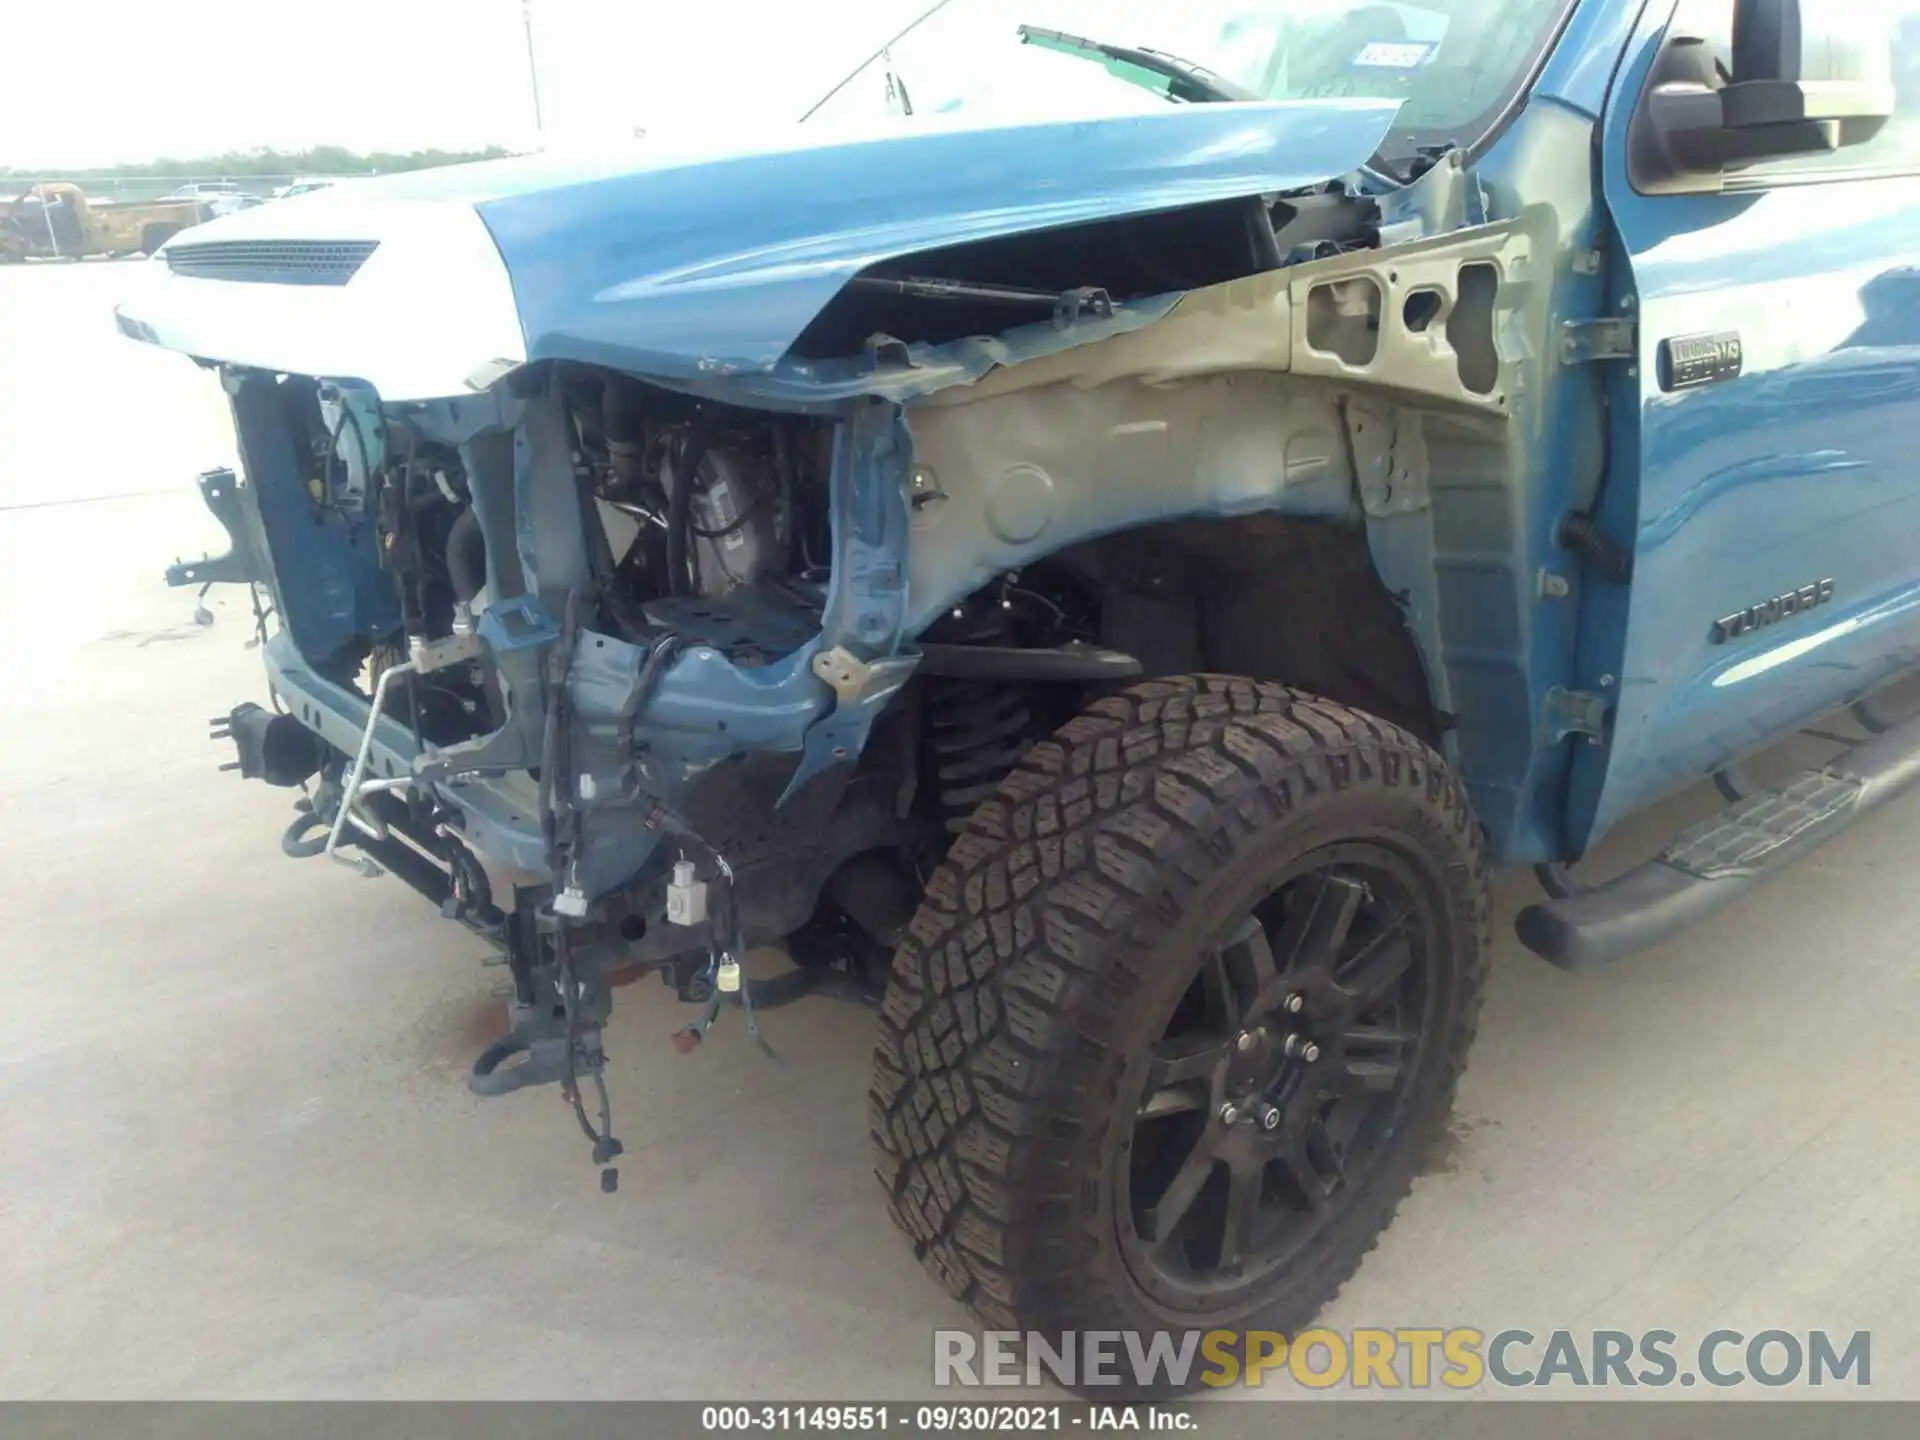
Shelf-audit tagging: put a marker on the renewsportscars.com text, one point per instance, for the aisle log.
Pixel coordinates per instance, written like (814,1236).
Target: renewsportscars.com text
(1460,1358)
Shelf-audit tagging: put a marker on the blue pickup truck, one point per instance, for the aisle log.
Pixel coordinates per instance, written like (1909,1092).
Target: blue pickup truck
(1099,538)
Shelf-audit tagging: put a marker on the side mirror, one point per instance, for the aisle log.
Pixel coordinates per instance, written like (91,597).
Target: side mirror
(1804,78)
(1789,69)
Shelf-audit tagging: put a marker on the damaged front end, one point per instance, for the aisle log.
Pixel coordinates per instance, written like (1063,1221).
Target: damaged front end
(698,607)
(562,705)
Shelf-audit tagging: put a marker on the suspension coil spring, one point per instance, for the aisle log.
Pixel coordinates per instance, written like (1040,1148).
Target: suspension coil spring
(977,732)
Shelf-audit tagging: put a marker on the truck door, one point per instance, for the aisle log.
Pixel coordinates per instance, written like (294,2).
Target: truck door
(1772,415)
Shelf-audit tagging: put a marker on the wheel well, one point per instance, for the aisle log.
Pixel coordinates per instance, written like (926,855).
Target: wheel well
(1270,597)
(1265,597)
(1262,597)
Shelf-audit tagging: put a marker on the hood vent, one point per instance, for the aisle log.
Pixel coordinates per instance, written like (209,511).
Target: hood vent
(271,262)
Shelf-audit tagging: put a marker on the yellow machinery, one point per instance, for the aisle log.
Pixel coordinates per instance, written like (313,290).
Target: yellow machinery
(55,220)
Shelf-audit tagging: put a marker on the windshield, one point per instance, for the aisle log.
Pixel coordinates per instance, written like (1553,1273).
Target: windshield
(1453,63)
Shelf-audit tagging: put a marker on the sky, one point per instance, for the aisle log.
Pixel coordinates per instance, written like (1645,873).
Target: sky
(194,77)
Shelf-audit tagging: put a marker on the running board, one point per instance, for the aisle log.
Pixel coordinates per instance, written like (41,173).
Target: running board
(1721,859)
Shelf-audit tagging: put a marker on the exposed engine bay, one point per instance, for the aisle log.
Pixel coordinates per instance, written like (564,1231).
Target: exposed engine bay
(630,674)
(704,531)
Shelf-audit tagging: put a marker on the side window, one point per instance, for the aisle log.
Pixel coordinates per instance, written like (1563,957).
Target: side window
(1896,148)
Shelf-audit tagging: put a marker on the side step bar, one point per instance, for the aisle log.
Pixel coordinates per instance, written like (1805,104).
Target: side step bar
(1721,859)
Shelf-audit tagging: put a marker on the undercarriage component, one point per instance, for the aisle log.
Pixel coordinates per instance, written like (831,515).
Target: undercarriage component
(391,855)
(242,564)
(1075,662)
(514,633)
(275,748)
(357,782)
(977,731)
(878,893)
(831,962)
(534,1051)
(387,843)
(556,1016)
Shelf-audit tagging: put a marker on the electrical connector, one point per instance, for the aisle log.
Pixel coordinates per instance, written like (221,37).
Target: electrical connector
(686,896)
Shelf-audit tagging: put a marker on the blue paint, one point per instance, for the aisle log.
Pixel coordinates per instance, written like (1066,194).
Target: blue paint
(691,268)
(520,622)
(328,585)
(1502,645)
(866,608)
(1580,68)
(1799,471)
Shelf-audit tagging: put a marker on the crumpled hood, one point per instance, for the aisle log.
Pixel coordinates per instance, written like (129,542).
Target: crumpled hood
(699,262)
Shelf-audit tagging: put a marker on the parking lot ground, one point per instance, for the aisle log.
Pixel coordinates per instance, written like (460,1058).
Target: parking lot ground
(237,1156)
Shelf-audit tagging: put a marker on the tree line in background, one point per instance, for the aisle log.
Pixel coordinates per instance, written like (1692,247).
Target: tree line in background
(240,164)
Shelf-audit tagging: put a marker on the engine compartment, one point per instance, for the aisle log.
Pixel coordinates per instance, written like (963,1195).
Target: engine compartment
(413,574)
(707,523)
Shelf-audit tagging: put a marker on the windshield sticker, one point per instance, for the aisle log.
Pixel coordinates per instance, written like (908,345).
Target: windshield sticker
(1394,55)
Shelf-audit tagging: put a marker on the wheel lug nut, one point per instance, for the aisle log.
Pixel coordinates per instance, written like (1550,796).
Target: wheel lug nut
(1243,1041)
(1310,1052)
(1296,1003)
(1305,1049)
(1269,1118)
(1228,1114)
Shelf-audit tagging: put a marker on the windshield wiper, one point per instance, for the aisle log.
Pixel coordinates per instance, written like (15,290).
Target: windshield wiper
(1190,82)
(1187,81)
(1403,170)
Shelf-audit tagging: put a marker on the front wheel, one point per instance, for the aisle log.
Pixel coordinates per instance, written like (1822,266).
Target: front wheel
(1181,1013)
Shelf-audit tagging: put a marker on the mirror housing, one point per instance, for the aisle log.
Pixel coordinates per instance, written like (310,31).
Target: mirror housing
(1805,78)
(1791,68)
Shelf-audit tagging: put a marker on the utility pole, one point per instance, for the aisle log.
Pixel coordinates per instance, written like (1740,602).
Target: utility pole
(533,67)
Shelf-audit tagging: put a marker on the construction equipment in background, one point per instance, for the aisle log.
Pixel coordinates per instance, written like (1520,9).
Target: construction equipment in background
(56,221)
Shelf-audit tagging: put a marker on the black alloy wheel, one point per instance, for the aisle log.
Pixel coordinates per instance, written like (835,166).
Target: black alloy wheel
(1269,1095)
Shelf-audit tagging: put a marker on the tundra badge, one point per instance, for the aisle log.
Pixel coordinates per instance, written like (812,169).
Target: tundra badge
(1794,602)
(1689,361)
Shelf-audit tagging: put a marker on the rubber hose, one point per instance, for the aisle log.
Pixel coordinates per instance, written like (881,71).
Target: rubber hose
(1581,534)
(467,556)
(680,505)
(298,844)
(783,467)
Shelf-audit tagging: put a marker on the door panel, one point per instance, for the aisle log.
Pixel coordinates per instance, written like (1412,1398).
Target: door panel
(1777,535)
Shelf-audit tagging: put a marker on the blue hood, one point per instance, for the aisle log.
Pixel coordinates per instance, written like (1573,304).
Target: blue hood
(696,266)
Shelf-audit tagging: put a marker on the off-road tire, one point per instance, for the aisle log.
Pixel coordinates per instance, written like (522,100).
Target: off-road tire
(1017,994)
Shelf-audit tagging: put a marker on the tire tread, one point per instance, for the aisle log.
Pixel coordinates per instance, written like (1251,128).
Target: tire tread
(1033,928)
